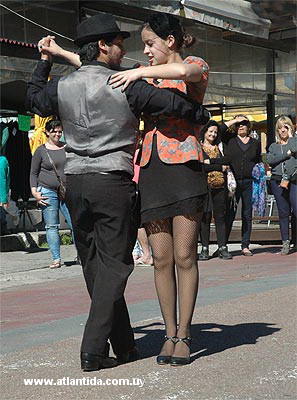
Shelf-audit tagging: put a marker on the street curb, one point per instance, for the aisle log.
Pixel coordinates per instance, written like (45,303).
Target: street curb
(25,240)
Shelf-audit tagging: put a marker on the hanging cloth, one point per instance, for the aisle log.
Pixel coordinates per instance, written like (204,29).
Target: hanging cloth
(4,136)
(38,138)
(259,189)
(19,157)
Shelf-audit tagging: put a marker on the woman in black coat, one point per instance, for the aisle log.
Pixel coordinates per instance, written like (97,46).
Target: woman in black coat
(243,153)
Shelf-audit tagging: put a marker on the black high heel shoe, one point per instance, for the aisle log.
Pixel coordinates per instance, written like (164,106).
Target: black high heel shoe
(178,361)
(162,360)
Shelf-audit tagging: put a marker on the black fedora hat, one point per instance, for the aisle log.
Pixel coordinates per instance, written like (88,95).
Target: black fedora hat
(99,26)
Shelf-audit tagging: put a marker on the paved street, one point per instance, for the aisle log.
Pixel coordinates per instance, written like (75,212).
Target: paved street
(244,331)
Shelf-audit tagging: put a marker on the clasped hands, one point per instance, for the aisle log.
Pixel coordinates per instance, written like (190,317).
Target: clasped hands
(48,47)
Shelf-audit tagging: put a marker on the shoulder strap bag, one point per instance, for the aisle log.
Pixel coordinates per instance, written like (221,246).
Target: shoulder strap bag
(61,188)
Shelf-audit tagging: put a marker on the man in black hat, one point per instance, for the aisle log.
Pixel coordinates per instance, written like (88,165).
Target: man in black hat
(100,126)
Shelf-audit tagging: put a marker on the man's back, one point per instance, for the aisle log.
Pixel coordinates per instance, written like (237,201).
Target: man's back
(99,127)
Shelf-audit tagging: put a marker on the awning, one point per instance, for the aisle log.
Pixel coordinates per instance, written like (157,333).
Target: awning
(232,15)
(167,6)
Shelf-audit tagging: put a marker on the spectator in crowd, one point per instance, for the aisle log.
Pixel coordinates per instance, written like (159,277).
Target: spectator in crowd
(242,153)
(282,158)
(218,193)
(44,185)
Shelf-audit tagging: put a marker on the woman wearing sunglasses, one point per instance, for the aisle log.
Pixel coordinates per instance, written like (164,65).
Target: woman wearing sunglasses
(243,153)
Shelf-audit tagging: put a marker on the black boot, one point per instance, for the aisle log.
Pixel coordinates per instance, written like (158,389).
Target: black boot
(204,255)
(224,253)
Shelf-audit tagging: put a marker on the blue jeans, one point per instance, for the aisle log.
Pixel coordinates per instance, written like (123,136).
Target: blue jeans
(286,201)
(52,222)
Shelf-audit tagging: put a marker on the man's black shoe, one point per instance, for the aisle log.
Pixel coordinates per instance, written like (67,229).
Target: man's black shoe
(128,356)
(204,255)
(93,362)
(224,253)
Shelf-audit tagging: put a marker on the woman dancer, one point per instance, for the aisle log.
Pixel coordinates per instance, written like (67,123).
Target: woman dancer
(172,182)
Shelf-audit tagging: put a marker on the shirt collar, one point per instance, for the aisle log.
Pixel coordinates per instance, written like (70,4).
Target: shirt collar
(95,62)
(103,64)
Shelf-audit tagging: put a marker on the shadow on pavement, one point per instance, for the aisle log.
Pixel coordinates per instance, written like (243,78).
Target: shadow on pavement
(207,339)
(36,250)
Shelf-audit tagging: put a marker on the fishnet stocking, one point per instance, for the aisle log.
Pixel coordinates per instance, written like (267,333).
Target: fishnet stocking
(161,241)
(174,242)
(185,238)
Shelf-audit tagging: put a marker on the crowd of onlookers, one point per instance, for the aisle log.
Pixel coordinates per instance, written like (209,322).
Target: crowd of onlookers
(232,161)
(235,172)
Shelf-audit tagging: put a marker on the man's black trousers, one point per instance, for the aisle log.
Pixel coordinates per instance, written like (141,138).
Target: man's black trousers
(104,218)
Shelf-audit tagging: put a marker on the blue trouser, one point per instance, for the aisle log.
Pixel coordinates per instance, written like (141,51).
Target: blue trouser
(52,222)
(286,201)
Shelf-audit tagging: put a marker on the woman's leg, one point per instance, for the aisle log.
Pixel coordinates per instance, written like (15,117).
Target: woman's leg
(246,212)
(205,228)
(51,218)
(146,257)
(185,239)
(293,201)
(66,214)
(160,238)
(283,205)
(219,209)
(231,208)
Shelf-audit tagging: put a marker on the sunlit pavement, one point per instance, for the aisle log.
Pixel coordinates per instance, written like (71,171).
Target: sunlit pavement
(244,331)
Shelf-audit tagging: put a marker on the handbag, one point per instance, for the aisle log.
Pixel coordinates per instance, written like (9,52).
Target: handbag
(61,191)
(231,181)
(285,178)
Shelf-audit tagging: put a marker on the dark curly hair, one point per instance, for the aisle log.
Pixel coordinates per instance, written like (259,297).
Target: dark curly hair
(210,123)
